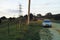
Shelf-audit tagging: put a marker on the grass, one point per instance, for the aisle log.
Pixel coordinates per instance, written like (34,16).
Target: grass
(14,31)
(56,21)
(33,32)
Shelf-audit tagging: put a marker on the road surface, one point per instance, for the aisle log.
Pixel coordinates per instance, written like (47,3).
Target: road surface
(55,30)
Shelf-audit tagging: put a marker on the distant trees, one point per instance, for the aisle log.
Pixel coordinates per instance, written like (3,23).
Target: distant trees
(39,15)
(11,19)
(0,20)
(31,17)
(56,17)
(26,17)
(35,18)
(48,15)
(21,19)
(3,18)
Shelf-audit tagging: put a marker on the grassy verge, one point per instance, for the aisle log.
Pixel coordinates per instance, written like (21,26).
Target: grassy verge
(56,21)
(22,32)
(33,32)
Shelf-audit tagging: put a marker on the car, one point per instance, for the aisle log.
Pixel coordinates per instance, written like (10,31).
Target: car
(47,23)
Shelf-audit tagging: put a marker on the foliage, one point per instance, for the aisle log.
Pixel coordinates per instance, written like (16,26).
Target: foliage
(3,18)
(0,21)
(33,32)
(14,31)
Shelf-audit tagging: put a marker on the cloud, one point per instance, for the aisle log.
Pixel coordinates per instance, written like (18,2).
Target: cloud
(12,11)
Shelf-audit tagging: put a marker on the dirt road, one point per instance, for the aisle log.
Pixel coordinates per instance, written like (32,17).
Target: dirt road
(55,30)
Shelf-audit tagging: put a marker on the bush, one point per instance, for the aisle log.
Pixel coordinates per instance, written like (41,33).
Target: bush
(32,32)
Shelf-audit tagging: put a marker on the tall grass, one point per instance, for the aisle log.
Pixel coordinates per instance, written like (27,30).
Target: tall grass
(20,31)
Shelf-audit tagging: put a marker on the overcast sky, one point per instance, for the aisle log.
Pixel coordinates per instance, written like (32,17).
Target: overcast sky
(9,8)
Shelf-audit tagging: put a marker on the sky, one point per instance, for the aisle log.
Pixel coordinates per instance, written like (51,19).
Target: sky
(10,8)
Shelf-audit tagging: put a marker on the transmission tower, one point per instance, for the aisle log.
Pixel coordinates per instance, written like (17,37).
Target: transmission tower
(20,13)
(20,9)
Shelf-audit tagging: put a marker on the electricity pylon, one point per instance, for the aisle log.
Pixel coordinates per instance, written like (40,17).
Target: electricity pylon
(20,9)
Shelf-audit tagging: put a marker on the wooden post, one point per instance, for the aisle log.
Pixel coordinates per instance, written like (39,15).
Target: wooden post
(29,11)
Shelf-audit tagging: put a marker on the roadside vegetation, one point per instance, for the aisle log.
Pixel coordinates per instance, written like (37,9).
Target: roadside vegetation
(56,21)
(17,28)
(13,30)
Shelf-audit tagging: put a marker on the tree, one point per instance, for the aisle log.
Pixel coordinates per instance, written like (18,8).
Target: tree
(21,17)
(3,18)
(48,15)
(0,20)
(11,19)
(35,18)
(56,16)
(25,17)
(38,15)
(31,16)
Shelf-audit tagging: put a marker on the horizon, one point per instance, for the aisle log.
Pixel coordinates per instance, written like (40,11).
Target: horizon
(26,14)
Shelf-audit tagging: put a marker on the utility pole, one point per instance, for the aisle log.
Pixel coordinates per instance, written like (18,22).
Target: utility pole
(29,11)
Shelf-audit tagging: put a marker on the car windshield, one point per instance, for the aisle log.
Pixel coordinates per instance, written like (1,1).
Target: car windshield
(47,21)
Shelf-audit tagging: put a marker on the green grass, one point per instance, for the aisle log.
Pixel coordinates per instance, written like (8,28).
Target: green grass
(33,32)
(56,21)
(22,32)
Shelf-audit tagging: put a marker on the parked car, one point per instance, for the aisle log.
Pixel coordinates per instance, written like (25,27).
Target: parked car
(47,23)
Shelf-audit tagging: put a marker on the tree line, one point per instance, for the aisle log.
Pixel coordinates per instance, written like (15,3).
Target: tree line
(33,17)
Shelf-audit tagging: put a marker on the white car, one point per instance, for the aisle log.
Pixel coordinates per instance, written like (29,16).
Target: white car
(47,23)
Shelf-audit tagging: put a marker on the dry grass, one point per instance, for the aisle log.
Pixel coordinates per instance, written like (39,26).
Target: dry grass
(38,21)
(58,31)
